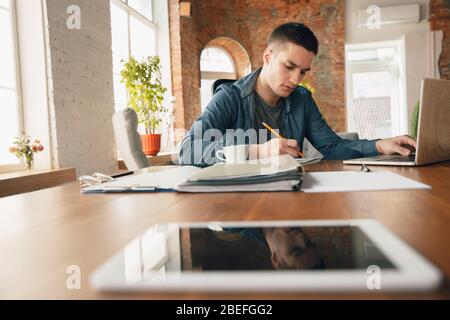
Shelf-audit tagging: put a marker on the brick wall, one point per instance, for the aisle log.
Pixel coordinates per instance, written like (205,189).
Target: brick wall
(80,85)
(440,20)
(250,23)
(176,62)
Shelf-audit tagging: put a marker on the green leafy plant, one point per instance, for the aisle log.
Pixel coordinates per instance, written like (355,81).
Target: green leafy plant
(24,149)
(146,93)
(415,121)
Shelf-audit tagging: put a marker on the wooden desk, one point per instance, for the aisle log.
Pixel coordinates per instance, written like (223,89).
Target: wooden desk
(27,181)
(44,232)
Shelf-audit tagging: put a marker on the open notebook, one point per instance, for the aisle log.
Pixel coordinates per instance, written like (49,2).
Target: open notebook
(275,174)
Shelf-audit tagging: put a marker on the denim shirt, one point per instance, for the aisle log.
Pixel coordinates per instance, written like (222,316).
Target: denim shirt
(233,107)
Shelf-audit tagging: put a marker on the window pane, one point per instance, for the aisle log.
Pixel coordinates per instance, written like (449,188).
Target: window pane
(365,55)
(386,53)
(372,104)
(9,125)
(144,7)
(4,3)
(380,54)
(215,59)
(371,84)
(142,39)
(141,44)
(7,74)
(119,37)
(120,92)
(206,93)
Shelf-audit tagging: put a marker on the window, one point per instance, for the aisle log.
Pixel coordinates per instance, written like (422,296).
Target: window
(375,104)
(10,121)
(133,34)
(215,63)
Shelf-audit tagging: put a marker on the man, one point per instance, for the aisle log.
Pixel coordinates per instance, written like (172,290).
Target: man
(290,247)
(271,94)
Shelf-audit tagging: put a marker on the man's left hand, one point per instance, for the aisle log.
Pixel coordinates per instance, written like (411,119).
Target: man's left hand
(403,145)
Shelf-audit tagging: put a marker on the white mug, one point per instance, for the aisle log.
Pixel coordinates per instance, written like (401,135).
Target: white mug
(233,154)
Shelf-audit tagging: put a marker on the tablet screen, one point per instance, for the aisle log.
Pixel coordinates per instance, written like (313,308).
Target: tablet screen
(280,255)
(278,248)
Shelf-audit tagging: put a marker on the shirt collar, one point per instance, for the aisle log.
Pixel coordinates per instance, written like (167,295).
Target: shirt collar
(248,83)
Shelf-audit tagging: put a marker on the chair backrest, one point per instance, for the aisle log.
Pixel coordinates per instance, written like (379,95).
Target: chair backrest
(218,82)
(128,140)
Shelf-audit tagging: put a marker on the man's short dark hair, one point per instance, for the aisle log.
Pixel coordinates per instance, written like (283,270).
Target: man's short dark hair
(296,33)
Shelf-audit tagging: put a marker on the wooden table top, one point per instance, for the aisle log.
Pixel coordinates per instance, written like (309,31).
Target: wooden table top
(44,232)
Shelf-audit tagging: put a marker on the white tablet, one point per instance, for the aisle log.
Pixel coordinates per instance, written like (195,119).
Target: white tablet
(298,256)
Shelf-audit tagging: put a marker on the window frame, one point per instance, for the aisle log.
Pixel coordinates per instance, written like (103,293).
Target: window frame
(214,75)
(394,67)
(124,5)
(211,75)
(146,21)
(18,82)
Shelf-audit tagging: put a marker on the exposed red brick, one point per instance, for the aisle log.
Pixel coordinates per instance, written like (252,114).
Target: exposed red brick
(440,20)
(250,23)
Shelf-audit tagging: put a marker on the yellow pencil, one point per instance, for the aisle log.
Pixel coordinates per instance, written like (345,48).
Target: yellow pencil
(279,136)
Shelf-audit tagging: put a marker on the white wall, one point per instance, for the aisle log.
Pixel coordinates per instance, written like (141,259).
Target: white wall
(421,61)
(386,32)
(79,69)
(422,47)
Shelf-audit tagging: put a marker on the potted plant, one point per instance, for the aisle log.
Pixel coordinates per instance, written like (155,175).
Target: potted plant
(143,82)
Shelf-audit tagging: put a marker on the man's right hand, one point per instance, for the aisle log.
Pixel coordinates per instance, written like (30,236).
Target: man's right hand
(274,147)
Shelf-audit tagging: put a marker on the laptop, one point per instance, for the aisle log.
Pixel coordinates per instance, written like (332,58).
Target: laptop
(433,134)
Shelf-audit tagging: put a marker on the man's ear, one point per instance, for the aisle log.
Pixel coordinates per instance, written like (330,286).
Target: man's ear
(267,56)
(276,262)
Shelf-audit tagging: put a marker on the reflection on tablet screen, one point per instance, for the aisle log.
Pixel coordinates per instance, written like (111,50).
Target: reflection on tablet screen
(278,248)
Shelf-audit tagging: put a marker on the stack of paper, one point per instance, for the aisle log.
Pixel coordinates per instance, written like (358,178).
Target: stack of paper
(274,174)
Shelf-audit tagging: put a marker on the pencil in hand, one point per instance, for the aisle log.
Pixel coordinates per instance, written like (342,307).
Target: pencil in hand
(279,136)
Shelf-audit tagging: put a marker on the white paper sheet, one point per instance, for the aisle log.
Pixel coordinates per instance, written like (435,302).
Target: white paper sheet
(306,161)
(160,180)
(344,181)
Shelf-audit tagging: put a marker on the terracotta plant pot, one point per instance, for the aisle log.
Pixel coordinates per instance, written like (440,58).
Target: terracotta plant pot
(151,144)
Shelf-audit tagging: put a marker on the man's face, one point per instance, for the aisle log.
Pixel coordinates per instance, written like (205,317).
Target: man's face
(292,249)
(286,65)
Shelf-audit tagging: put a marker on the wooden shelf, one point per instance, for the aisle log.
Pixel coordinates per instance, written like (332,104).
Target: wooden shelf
(26,181)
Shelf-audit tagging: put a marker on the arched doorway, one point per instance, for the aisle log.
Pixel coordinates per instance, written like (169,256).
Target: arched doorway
(222,58)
